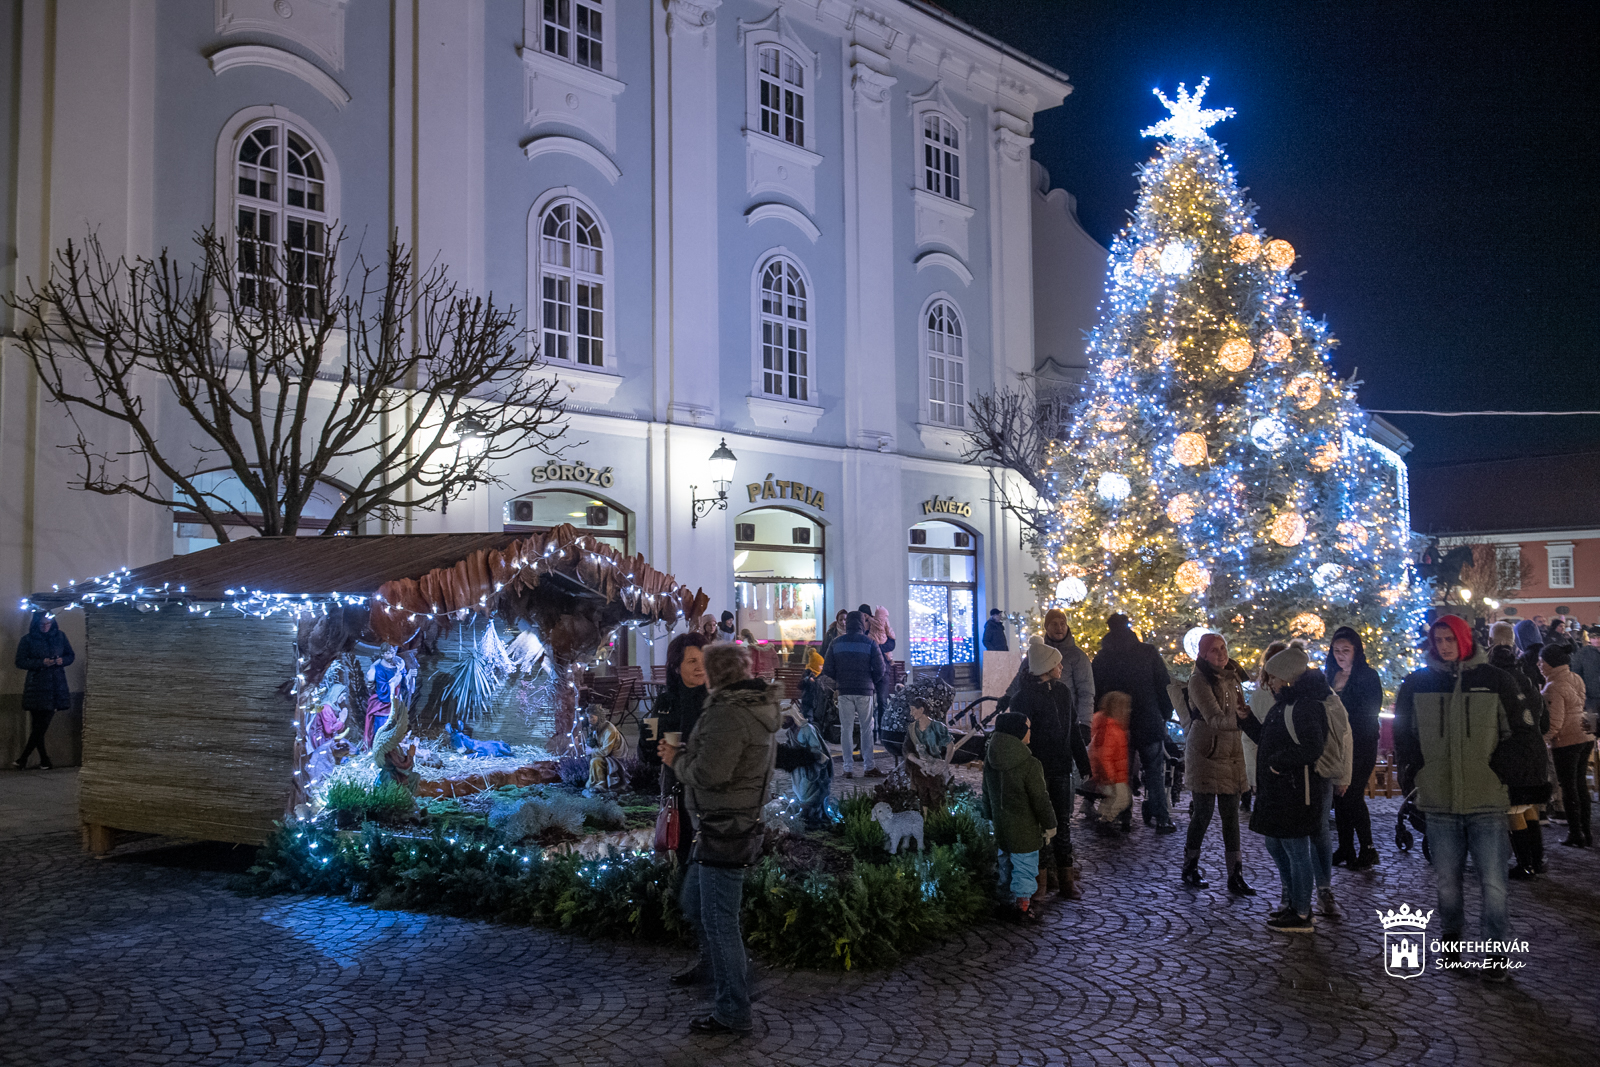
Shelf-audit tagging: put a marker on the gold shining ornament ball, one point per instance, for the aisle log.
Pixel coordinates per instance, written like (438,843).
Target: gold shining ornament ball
(1276,346)
(1193,576)
(1278,253)
(1305,389)
(1141,261)
(1245,247)
(1354,535)
(1181,508)
(1114,540)
(1235,354)
(1308,625)
(1325,457)
(1288,529)
(1189,449)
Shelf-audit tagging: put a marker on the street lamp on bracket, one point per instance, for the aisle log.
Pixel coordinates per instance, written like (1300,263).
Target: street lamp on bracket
(722,465)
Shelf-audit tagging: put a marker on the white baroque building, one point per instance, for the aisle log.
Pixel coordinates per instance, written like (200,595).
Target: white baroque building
(809,228)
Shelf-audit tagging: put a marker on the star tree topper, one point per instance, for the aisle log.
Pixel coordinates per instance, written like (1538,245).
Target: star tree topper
(1188,121)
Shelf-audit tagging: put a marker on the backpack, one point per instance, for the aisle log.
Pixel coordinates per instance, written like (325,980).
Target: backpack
(1335,761)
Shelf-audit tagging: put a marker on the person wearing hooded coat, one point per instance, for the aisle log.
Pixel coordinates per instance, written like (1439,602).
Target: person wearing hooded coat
(1288,788)
(45,653)
(1521,760)
(1214,760)
(1361,691)
(1449,718)
(1059,748)
(1571,740)
(1127,665)
(1076,673)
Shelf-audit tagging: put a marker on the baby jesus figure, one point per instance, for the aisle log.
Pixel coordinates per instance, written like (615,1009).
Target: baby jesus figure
(603,746)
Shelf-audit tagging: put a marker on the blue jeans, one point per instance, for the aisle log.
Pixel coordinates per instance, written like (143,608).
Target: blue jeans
(1322,840)
(710,900)
(1019,873)
(1450,839)
(1152,770)
(1295,868)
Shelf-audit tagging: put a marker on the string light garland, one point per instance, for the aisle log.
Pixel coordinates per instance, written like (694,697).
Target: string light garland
(1236,458)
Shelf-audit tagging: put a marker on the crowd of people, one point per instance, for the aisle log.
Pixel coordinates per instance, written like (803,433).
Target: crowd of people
(1486,734)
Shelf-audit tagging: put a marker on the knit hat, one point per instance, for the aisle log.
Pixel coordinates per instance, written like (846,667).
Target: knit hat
(1011,722)
(1458,627)
(1289,664)
(1041,657)
(1205,642)
(1055,615)
(1527,634)
(1502,633)
(814,662)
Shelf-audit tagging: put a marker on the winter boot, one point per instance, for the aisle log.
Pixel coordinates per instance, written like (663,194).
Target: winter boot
(1052,875)
(1043,887)
(1536,845)
(1069,883)
(1191,870)
(1236,883)
(1522,848)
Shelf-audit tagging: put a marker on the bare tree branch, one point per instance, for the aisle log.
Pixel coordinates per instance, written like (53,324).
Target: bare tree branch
(291,375)
(1007,432)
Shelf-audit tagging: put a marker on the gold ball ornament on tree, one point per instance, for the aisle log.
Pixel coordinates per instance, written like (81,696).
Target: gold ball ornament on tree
(1305,390)
(1192,576)
(1181,508)
(1115,540)
(1141,261)
(1325,457)
(1189,449)
(1306,624)
(1288,529)
(1245,248)
(1276,347)
(1278,253)
(1353,536)
(1235,354)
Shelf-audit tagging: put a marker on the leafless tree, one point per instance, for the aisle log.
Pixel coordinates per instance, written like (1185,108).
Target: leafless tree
(386,381)
(1007,432)
(1490,575)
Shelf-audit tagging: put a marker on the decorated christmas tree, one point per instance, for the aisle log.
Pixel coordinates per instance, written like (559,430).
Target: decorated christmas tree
(1217,475)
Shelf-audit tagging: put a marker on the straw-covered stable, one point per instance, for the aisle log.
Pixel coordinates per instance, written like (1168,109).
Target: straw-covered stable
(194,724)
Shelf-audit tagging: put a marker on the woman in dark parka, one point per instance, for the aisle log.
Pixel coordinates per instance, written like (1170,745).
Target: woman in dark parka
(677,709)
(1361,691)
(44,652)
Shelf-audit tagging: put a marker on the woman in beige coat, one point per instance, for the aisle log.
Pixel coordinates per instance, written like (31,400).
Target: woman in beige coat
(1214,760)
(1570,739)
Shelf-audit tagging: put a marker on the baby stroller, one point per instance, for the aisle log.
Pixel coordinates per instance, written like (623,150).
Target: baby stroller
(1417,819)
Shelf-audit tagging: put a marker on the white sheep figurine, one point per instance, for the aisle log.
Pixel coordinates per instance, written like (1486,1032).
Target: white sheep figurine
(898,825)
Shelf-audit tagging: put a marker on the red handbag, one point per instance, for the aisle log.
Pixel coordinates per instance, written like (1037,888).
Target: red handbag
(668,826)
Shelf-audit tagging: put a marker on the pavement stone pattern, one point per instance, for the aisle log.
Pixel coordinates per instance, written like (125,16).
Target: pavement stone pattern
(147,957)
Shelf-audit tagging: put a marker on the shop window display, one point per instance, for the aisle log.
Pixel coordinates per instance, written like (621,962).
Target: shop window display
(942,598)
(778,575)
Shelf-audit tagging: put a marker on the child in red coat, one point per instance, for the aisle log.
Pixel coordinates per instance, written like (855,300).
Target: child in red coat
(1108,760)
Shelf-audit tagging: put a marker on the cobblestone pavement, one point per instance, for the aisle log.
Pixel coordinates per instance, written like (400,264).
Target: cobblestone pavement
(148,958)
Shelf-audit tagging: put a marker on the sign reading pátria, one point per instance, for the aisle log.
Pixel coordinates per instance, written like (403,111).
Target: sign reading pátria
(774,489)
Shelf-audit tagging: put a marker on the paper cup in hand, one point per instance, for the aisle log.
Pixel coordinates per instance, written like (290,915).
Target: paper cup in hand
(650,726)
(673,738)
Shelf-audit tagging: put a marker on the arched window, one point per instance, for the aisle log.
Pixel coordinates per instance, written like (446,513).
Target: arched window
(782,85)
(941,156)
(946,356)
(280,205)
(785,332)
(572,284)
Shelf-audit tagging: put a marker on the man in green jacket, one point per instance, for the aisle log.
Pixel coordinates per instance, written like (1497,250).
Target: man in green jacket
(1449,718)
(1016,801)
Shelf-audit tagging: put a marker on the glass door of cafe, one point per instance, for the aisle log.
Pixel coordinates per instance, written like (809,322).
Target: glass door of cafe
(942,601)
(778,576)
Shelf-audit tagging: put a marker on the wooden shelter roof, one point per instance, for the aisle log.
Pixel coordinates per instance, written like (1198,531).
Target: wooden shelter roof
(313,566)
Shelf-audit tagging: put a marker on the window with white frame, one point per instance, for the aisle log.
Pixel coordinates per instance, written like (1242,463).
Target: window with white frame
(571,284)
(1561,576)
(572,31)
(941,156)
(280,209)
(1508,561)
(946,356)
(785,332)
(781,84)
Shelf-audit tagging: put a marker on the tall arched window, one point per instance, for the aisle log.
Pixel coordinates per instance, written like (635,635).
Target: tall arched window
(785,332)
(572,284)
(280,203)
(782,86)
(946,356)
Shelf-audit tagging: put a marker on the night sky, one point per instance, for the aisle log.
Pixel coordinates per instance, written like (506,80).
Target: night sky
(1433,165)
